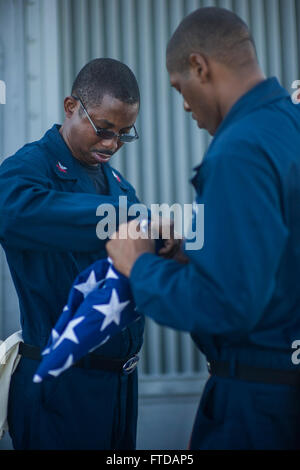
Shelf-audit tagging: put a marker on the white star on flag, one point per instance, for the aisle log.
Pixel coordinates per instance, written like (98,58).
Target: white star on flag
(67,364)
(91,284)
(112,311)
(69,332)
(111,274)
(37,378)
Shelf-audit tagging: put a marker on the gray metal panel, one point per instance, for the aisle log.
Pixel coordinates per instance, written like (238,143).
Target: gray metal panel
(131,154)
(12,131)
(34,76)
(290,45)
(257,23)
(29,38)
(274,38)
(42,61)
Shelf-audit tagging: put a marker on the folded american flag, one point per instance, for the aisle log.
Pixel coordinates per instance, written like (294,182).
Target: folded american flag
(100,305)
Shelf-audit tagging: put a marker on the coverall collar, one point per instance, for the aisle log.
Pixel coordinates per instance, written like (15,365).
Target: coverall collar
(66,166)
(69,168)
(265,92)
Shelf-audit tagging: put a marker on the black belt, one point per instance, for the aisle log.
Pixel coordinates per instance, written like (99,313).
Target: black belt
(90,361)
(254,374)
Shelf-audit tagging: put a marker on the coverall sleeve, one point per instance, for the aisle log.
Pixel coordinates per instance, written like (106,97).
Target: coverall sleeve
(34,216)
(227,284)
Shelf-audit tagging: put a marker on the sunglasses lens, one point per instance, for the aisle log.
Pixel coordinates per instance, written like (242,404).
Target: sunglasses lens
(105,134)
(127,138)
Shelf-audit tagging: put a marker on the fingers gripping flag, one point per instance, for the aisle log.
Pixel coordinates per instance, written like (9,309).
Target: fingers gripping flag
(100,305)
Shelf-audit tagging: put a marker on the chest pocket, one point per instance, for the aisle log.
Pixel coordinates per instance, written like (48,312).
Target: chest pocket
(64,181)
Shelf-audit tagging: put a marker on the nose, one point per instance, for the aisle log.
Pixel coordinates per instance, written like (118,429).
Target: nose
(110,144)
(186,107)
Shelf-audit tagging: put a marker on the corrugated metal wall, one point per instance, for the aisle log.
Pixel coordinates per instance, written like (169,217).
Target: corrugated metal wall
(44,43)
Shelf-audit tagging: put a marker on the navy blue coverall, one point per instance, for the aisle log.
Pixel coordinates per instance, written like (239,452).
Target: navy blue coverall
(239,296)
(48,224)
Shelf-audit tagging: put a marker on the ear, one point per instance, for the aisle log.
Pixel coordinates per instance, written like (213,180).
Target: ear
(199,66)
(70,106)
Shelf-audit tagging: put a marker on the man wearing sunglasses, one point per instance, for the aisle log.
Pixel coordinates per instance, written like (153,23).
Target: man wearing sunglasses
(49,194)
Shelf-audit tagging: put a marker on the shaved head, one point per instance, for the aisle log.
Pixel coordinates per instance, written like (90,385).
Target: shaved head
(214,32)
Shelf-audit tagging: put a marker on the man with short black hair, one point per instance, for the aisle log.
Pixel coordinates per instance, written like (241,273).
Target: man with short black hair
(49,194)
(221,35)
(239,295)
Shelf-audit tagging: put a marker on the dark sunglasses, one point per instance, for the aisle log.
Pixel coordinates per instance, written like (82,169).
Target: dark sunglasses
(106,133)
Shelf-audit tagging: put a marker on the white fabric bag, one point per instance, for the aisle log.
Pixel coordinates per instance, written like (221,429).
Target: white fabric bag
(9,359)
